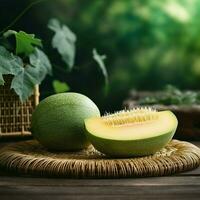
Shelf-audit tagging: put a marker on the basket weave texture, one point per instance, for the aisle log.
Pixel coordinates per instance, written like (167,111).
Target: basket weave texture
(31,158)
(15,116)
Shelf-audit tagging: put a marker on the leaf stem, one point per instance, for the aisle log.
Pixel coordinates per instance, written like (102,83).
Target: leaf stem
(20,15)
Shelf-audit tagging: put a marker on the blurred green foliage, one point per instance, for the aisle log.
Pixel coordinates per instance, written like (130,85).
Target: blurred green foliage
(60,87)
(171,96)
(148,43)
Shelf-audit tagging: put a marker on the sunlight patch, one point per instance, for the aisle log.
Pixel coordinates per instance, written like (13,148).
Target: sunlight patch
(177,11)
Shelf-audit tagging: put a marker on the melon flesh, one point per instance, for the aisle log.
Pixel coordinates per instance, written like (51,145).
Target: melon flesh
(131,134)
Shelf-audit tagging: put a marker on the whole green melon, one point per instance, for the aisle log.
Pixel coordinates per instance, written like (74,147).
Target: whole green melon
(58,121)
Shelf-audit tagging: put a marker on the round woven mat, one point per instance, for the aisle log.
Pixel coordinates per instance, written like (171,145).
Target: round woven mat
(31,158)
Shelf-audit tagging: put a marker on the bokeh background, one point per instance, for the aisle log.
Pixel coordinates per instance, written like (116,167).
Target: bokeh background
(148,44)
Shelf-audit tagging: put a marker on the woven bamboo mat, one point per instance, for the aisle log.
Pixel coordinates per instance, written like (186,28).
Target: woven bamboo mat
(31,158)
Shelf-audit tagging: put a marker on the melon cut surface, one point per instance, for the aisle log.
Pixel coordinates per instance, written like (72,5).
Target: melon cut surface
(137,132)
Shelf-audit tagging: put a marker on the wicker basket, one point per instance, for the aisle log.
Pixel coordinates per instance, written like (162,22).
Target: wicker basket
(15,116)
(188,116)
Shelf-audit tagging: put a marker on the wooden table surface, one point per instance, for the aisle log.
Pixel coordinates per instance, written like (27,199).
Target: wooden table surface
(181,186)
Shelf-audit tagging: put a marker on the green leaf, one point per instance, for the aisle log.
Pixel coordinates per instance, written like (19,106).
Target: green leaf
(64,41)
(60,87)
(24,82)
(9,33)
(9,64)
(40,60)
(100,61)
(25,43)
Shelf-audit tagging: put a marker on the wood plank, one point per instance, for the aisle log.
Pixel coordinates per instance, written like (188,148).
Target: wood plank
(150,192)
(100,197)
(137,182)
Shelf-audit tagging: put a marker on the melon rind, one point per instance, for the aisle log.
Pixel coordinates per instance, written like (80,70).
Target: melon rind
(130,148)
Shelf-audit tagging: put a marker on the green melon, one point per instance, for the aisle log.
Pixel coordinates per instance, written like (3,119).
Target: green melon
(58,121)
(137,132)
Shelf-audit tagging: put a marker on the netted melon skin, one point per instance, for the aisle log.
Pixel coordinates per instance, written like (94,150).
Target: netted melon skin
(58,121)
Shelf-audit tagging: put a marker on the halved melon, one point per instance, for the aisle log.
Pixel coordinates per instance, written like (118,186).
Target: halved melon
(137,132)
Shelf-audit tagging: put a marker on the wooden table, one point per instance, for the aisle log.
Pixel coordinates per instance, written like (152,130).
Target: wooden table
(181,186)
